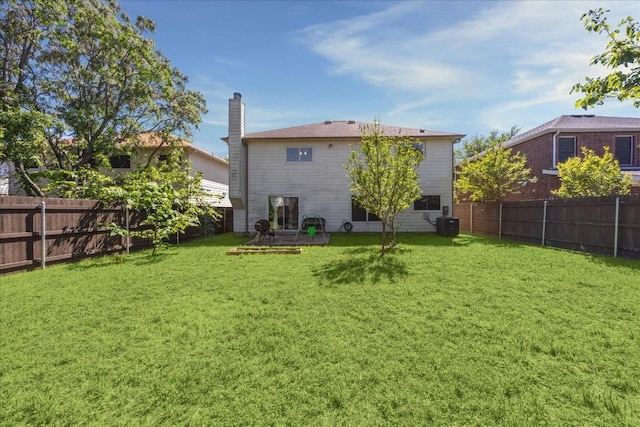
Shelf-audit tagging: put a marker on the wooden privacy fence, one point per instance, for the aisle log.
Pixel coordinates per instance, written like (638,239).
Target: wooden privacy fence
(36,231)
(608,226)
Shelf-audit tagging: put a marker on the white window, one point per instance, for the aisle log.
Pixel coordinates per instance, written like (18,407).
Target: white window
(299,154)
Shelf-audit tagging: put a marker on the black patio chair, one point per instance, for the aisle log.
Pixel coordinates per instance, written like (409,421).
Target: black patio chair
(263,227)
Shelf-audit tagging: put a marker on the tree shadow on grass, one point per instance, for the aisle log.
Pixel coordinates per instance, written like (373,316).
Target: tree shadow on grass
(632,264)
(418,239)
(153,259)
(363,265)
(224,240)
(118,259)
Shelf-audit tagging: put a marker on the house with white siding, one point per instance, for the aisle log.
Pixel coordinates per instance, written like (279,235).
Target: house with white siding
(286,174)
(214,169)
(4,179)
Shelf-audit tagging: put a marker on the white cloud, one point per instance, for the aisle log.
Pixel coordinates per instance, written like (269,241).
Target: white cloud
(511,56)
(367,48)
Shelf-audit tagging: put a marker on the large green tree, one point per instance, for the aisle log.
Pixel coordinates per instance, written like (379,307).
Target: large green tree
(383,176)
(622,56)
(88,79)
(592,176)
(478,144)
(492,176)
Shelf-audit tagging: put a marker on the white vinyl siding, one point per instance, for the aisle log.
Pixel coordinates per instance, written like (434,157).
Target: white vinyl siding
(212,169)
(322,186)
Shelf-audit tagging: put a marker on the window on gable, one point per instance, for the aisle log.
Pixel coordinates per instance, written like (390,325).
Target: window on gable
(427,203)
(299,154)
(120,162)
(566,148)
(358,213)
(624,150)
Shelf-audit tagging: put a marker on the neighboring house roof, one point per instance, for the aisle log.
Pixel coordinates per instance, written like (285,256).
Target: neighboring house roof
(152,141)
(579,123)
(341,129)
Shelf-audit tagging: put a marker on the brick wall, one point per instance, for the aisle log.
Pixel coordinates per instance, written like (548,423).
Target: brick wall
(539,152)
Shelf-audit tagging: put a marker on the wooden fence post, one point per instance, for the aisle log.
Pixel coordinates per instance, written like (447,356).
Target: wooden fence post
(471,217)
(615,228)
(126,222)
(544,221)
(500,223)
(43,234)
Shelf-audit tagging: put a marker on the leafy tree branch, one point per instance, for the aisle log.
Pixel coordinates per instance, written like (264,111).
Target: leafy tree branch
(622,56)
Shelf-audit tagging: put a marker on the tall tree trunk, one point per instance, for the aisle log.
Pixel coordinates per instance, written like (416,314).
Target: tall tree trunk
(384,235)
(392,227)
(28,185)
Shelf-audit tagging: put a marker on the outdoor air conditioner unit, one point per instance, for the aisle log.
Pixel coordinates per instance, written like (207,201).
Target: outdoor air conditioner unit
(447,226)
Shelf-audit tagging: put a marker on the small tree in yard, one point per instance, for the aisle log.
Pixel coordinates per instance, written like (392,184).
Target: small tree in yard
(493,176)
(168,199)
(384,177)
(592,176)
(479,144)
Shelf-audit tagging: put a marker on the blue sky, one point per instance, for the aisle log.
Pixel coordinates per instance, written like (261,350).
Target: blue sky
(459,66)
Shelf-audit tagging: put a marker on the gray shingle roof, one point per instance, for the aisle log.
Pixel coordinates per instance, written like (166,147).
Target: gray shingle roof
(578,123)
(341,129)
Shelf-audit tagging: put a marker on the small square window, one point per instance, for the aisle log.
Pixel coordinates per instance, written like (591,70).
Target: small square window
(427,203)
(299,154)
(120,162)
(418,146)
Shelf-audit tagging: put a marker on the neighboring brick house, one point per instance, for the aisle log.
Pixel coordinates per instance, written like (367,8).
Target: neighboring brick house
(282,175)
(555,141)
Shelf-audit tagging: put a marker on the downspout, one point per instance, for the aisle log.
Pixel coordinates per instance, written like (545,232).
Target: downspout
(246,188)
(555,144)
(453,176)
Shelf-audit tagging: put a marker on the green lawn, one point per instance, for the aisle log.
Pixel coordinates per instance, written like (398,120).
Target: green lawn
(443,331)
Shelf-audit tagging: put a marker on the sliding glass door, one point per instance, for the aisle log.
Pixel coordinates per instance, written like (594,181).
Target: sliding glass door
(283,212)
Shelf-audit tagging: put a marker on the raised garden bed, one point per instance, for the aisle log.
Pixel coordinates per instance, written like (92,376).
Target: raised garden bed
(264,250)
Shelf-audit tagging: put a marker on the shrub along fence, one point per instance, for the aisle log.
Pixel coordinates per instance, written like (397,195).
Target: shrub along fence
(608,226)
(36,231)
